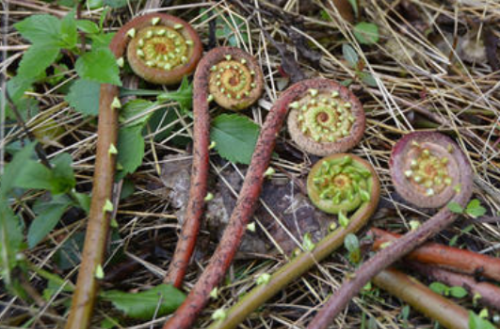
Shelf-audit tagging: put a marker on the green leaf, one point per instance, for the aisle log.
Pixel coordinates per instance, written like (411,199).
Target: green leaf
(33,175)
(307,242)
(48,215)
(351,243)
(183,96)
(474,209)
(95,4)
(87,26)
(458,292)
(235,137)
(346,82)
(68,30)
(455,207)
(343,220)
(17,86)
(12,169)
(476,322)
(41,29)
(439,288)
(101,40)
(11,237)
(160,300)
(83,201)
(83,96)
(366,33)
(130,150)
(354,4)
(68,256)
(24,172)
(115,3)
(350,55)
(99,65)
(133,110)
(35,60)
(63,177)
(367,78)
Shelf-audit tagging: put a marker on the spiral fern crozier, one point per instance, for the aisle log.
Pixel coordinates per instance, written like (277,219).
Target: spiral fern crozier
(165,50)
(327,119)
(339,182)
(235,82)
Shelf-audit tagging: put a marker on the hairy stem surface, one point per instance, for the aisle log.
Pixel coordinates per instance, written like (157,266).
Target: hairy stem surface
(221,260)
(102,192)
(200,168)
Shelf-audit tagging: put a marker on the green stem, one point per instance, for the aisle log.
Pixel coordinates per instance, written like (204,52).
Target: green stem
(421,298)
(299,265)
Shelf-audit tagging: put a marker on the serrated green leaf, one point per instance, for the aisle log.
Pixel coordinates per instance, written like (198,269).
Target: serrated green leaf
(83,96)
(130,150)
(35,60)
(159,301)
(33,175)
(41,29)
(24,172)
(366,33)
(350,55)
(183,96)
(133,110)
(474,209)
(101,40)
(455,207)
(458,292)
(87,26)
(99,65)
(68,30)
(48,215)
(235,137)
(17,86)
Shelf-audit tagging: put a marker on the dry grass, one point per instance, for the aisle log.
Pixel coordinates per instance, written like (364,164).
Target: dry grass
(419,86)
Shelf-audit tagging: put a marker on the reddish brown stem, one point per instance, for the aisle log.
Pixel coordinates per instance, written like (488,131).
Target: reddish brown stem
(199,172)
(247,200)
(98,225)
(421,298)
(451,258)
(490,293)
(409,241)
